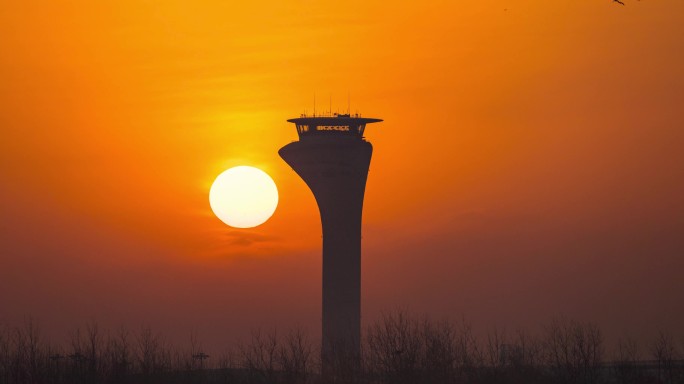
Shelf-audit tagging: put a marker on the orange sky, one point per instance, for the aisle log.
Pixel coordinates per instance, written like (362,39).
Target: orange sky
(529,164)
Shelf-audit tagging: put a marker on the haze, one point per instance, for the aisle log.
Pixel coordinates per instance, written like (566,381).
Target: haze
(529,164)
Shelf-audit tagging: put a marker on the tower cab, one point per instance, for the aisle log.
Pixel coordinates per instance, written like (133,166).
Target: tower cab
(335,125)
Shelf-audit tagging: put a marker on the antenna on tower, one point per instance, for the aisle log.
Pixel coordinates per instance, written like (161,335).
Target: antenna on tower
(330,110)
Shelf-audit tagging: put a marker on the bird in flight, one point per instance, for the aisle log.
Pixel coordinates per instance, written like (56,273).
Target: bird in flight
(619,2)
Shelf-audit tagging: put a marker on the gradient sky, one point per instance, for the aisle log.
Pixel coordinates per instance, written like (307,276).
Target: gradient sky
(530,163)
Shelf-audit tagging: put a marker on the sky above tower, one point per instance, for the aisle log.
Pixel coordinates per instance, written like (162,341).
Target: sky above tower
(529,163)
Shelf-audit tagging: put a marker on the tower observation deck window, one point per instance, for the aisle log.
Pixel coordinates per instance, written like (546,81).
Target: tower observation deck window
(341,128)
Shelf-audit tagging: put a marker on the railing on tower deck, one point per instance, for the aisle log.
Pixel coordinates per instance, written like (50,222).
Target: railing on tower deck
(331,114)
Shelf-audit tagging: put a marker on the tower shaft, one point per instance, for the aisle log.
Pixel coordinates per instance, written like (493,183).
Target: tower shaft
(336,168)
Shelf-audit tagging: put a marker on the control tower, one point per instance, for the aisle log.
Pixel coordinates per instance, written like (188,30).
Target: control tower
(332,157)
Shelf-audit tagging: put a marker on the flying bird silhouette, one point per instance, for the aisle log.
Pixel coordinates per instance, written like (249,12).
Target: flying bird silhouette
(619,2)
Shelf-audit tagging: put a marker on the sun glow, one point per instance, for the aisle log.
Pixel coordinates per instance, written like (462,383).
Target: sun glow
(243,197)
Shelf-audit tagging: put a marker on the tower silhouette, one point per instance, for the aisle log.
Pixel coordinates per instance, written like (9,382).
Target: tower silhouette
(333,157)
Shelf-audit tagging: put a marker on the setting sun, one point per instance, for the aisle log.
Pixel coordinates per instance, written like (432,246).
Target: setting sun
(243,197)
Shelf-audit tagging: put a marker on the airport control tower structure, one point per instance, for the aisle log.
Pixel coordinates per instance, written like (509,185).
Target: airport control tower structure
(332,157)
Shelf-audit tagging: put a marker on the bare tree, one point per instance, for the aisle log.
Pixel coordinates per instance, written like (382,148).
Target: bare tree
(625,368)
(574,351)
(665,353)
(496,352)
(260,356)
(4,354)
(227,366)
(294,357)
(522,359)
(395,347)
(29,362)
(150,355)
(470,354)
(94,350)
(120,354)
(440,352)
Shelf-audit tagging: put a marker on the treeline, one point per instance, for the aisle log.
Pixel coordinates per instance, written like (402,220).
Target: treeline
(398,349)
